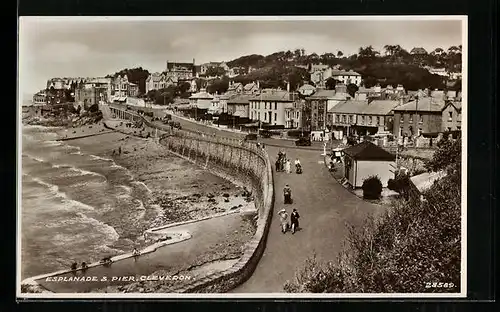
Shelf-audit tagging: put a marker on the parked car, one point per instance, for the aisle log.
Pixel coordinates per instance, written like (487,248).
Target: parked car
(303,141)
(251,136)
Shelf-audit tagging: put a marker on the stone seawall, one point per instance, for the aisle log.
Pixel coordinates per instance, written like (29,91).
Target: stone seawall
(243,164)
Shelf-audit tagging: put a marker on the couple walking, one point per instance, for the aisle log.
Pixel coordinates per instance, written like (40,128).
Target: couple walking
(294,220)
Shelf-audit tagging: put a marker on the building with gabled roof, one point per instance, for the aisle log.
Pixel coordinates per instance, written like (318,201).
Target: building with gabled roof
(452,116)
(365,160)
(422,115)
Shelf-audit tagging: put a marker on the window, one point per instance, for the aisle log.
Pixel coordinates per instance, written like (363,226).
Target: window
(449,128)
(458,127)
(259,106)
(419,131)
(411,118)
(370,120)
(450,116)
(337,118)
(401,119)
(275,116)
(362,119)
(265,105)
(420,119)
(343,118)
(275,105)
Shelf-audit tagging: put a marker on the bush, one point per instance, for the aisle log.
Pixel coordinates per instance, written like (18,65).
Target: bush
(372,188)
(400,184)
(412,243)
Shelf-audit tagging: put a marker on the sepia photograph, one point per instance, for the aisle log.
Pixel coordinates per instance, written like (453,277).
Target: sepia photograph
(242,157)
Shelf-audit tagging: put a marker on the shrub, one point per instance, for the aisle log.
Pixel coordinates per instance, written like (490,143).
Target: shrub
(400,184)
(372,187)
(412,243)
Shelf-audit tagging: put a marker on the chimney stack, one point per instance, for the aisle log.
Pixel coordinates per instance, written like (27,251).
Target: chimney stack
(288,87)
(258,85)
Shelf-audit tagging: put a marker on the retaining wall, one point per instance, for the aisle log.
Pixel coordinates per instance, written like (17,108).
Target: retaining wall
(240,162)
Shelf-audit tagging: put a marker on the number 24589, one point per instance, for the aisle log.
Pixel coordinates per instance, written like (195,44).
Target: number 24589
(439,285)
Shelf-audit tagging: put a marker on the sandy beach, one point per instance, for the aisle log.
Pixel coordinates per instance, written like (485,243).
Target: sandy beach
(178,189)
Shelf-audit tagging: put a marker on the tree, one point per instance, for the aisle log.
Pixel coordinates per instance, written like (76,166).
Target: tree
(330,83)
(340,54)
(136,75)
(218,86)
(352,89)
(215,71)
(389,49)
(413,241)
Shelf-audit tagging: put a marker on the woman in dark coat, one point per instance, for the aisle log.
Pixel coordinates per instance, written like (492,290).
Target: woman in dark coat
(294,220)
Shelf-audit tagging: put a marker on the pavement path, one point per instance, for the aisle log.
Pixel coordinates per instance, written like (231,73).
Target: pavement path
(324,206)
(205,234)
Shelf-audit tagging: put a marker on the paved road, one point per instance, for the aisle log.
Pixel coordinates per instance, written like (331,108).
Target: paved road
(324,206)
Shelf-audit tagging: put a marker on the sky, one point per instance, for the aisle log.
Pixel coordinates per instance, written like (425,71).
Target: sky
(83,47)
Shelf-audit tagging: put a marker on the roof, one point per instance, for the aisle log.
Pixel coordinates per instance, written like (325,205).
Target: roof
(156,77)
(456,104)
(307,87)
(275,96)
(235,86)
(202,95)
(249,86)
(239,99)
(425,180)
(337,72)
(426,104)
(368,151)
(323,94)
(379,107)
(349,107)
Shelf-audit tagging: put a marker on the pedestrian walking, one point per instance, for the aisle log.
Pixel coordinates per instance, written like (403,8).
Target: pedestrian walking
(294,220)
(288,166)
(283,220)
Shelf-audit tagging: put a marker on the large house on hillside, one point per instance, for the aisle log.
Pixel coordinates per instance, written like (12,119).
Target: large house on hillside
(319,77)
(235,88)
(204,67)
(40,97)
(181,71)
(157,81)
(121,87)
(251,88)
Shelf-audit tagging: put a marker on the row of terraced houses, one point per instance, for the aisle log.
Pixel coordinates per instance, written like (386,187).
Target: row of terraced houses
(370,111)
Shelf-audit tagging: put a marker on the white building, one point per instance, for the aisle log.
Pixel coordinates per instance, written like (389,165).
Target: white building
(272,108)
(157,81)
(346,77)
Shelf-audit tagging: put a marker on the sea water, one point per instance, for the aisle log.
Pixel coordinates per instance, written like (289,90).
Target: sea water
(75,206)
